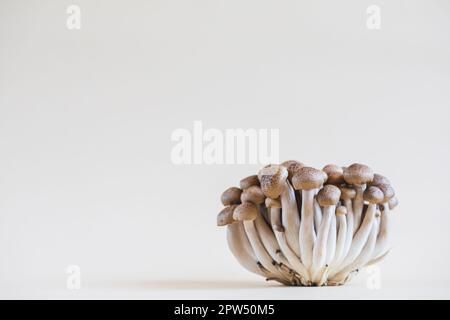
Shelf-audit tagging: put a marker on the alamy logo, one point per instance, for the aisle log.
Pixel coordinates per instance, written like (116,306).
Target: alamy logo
(74,19)
(373,21)
(373,281)
(229,146)
(74,277)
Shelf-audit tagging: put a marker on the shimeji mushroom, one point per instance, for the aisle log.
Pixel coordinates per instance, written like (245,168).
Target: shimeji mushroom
(327,197)
(302,226)
(274,207)
(255,195)
(274,184)
(238,242)
(385,224)
(358,175)
(363,258)
(308,180)
(247,212)
(347,194)
(374,196)
(341,213)
(231,196)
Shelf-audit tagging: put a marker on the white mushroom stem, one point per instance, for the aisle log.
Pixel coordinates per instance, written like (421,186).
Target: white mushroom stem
(307,235)
(360,238)
(358,205)
(269,241)
(363,258)
(317,216)
(242,250)
(290,218)
(383,240)
(350,224)
(260,251)
(377,260)
(331,244)
(340,243)
(320,245)
(294,261)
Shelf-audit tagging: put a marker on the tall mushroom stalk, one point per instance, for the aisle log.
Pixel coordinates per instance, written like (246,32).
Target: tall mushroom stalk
(358,175)
(247,212)
(327,197)
(308,180)
(341,213)
(274,184)
(389,203)
(374,196)
(347,194)
(274,207)
(238,242)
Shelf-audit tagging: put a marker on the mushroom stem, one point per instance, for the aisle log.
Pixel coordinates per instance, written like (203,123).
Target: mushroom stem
(260,251)
(350,224)
(340,243)
(331,244)
(290,218)
(320,246)
(383,240)
(294,261)
(361,236)
(241,249)
(363,258)
(269,241)
(317,216)
(307,235)
(358,206)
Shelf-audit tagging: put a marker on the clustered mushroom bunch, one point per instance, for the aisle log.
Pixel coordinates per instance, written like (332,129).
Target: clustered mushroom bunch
(302,226)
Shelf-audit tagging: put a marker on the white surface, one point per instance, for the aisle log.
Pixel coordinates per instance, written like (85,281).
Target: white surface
(86,118)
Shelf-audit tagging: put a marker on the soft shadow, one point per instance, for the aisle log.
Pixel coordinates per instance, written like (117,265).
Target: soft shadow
(146,284)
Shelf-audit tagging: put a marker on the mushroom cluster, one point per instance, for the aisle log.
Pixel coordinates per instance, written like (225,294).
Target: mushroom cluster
(307,227)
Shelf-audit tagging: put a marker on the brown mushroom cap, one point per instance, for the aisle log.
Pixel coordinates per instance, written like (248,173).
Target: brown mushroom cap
(379,179)
(273,203)
(358,174)
(393,202)
(388,191)
(335,174)
(347,193)
(272,179)
(245,211)
(231,196)
(329,195)
(225,217)
(249,181)
(253,194)
(341,211)
(307,178)
(373,195)
(292,167)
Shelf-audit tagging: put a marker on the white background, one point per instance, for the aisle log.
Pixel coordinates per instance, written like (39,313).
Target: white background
(86,118)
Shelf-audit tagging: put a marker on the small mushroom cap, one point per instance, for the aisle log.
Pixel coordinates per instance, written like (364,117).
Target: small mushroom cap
(225,217)
(307,178)
(253,194)
(347,193)
(273,203)
(341,211)
(373,195)
(379,179)
(245,211)
(292,167)
(231,196)
(393,202)
(249,181)
(272,179)
(335,174)
(329,195)
(358,174)
(388,191)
